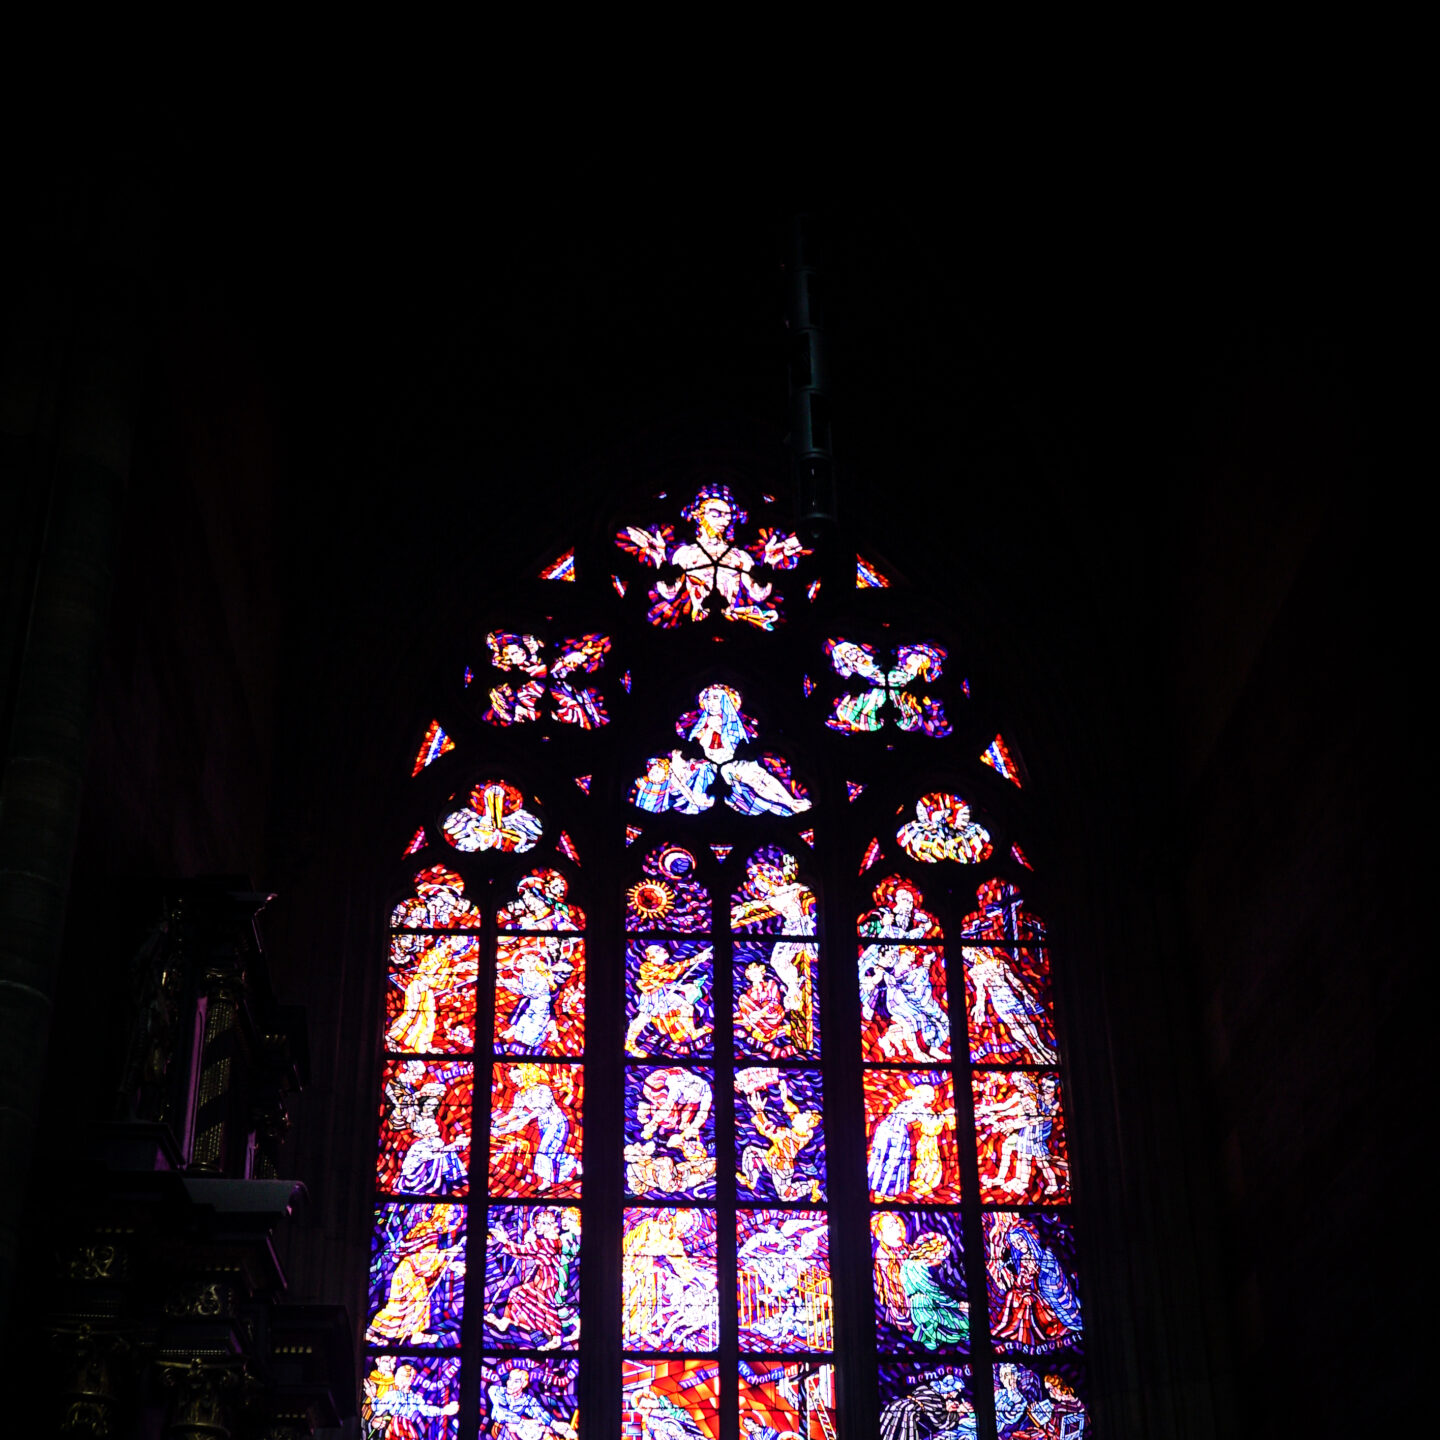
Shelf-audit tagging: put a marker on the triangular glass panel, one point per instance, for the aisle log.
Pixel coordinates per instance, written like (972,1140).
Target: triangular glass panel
(872,854)
(1019,855)
(867,577)
(722,852)
(854,790)
(808,836)
(567,845)
(997,756)
(417,842)
(435,744)
(619,584)
(583,781)
(562,568)
(632,834)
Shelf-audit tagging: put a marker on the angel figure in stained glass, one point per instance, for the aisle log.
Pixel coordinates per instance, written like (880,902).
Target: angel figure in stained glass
(430,1165)
(433,977)
(905,1287)
(493,819)
(667,995)
(1028,1119)
(671,1300)
(535,1104)
(518,1413)
(786,1139)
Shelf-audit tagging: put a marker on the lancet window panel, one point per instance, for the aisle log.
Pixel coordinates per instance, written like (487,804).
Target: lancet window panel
(745,1272)
(472,1236)
(983,1277)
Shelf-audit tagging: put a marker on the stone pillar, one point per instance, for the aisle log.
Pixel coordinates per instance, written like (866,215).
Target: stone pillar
(92,369)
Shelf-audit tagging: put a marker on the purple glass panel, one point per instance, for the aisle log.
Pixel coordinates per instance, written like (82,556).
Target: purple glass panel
(425,1127)
(779,1135)
(525,1397)
(920,1400)
(669,1133)
(669,998)
(417,1275)
(1030,1280)
(671,1295)
(668,898)
(411,1397)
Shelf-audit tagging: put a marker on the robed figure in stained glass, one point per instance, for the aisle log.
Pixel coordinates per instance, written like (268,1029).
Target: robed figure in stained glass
(1033,1305)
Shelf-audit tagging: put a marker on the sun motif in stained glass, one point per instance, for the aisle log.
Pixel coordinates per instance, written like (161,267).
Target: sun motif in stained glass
(651,900)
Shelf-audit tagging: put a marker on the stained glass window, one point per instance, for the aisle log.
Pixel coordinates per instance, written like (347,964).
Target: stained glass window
(810,1202)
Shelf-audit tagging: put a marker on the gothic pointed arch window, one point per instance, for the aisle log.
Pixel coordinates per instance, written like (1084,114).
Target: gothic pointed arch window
(721,1094)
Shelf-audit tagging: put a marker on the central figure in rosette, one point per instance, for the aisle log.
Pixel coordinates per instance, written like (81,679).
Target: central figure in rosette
(719,727)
